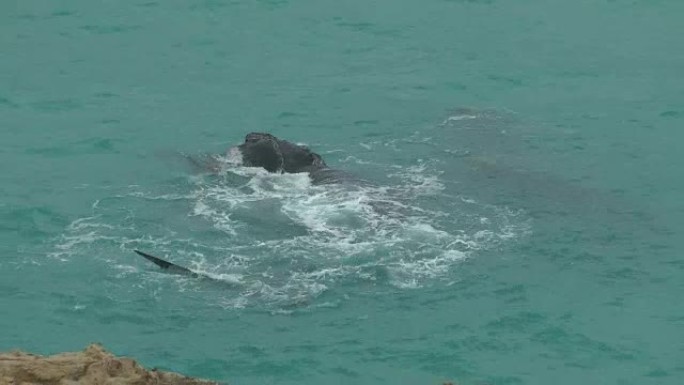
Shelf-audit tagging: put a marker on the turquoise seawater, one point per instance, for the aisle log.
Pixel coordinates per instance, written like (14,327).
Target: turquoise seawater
(523,225)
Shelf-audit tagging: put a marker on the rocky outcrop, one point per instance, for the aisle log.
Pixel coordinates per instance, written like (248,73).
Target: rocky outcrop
(93,366)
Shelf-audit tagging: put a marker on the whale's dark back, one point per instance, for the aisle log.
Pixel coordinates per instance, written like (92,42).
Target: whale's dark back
(277,155)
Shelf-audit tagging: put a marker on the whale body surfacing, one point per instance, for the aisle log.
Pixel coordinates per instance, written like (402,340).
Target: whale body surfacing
(281,156)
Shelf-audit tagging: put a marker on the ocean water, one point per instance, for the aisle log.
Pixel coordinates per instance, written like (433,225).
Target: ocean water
(522,225)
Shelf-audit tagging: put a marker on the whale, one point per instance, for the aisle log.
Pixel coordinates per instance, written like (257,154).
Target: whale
(275,155)
(278,156)
(175,269)
(171,267)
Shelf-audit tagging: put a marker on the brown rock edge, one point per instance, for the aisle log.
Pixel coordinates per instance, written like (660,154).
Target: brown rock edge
(93,366)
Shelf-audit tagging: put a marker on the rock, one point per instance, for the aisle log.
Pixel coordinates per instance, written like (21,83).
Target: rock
(93,366)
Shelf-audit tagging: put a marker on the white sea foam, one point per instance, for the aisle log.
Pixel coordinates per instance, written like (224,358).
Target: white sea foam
(349,230)
(285,242)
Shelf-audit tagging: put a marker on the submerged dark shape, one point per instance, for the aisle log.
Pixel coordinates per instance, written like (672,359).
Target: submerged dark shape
(281,156)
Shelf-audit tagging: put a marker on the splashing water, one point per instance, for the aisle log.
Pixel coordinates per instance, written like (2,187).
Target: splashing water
(278,240)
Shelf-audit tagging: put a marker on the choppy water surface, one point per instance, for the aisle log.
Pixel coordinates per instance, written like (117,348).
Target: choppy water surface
(514,217)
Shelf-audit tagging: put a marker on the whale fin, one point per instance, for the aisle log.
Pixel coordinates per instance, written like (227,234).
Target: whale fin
(168,266)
